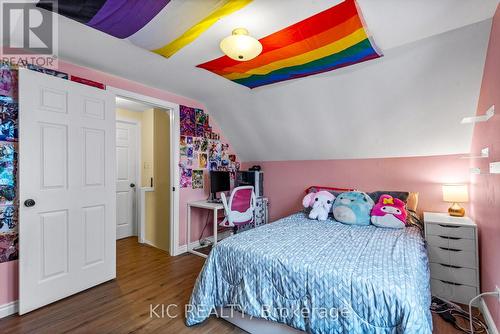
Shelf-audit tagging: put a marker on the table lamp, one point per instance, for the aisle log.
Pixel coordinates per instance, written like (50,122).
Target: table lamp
(455,193)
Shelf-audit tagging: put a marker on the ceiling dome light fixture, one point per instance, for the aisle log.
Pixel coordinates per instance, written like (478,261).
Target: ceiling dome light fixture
(240,46)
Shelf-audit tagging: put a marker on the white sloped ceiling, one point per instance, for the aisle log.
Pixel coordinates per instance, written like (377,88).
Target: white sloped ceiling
(407,103)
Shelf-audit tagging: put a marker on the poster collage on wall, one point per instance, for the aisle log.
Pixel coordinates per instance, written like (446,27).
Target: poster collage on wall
(201,149)
(8,163)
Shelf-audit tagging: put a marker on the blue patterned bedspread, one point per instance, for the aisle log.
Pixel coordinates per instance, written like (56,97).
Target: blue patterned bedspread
(320,277)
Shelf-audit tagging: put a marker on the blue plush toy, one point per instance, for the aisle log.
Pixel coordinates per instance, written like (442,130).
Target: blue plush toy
(353,207)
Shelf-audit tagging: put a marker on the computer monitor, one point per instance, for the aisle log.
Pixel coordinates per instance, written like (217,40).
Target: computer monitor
(219,181)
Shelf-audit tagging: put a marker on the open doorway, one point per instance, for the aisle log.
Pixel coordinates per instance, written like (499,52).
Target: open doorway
(143,172)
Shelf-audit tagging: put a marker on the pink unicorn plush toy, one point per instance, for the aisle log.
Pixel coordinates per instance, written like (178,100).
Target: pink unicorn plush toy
(321,203)
(389,212)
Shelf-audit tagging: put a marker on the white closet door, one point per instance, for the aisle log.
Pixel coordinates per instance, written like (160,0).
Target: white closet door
(126,163)
(66,188)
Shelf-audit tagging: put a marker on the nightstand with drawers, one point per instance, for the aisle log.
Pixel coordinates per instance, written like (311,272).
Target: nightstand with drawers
(453,256)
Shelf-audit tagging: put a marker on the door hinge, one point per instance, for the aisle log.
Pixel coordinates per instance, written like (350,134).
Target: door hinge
(173,188)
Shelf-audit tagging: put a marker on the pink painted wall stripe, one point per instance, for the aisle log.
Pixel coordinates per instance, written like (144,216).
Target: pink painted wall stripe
(285,181)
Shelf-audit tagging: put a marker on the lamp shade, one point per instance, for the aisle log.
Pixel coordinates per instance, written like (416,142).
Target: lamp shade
(455,193)
(240,46)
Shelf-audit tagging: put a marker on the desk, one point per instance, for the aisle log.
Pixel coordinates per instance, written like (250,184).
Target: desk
(215,207)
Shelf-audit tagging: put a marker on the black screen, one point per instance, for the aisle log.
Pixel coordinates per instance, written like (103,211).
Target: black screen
(219,181)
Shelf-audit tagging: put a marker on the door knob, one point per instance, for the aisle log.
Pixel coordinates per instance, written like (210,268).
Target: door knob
(132,185)
(29,203)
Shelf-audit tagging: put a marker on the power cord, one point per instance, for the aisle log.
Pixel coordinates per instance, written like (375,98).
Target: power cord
(204,242)
(450,312)
(491,293)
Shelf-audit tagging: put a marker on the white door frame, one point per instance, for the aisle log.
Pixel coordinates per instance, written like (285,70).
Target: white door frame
(174,157)
(138,167)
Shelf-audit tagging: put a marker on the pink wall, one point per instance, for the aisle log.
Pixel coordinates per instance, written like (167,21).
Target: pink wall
(285,181)
(125,84)
(8,282)
(485,189)
(9,270)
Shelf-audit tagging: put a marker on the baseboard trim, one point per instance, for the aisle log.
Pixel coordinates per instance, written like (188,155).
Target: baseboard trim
(180,250)
(149,243)
(183,249)
(492,328)
(9,309)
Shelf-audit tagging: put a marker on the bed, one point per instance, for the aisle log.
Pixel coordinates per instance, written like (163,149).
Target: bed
(319,277)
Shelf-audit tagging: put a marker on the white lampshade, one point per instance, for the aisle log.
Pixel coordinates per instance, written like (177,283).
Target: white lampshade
(455,193)
(240,46)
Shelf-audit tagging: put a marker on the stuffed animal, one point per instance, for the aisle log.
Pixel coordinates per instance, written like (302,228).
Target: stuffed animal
(389,212)
(353,208)
(321,203)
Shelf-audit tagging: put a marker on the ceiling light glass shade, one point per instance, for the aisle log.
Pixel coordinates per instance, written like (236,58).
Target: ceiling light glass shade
(240,46)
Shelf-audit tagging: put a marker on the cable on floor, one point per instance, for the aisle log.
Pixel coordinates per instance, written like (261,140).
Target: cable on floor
(494,293)
(206,241)
(451,312)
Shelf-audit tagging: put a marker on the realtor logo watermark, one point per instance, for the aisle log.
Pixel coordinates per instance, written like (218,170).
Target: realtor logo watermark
(172,311)
(29,33)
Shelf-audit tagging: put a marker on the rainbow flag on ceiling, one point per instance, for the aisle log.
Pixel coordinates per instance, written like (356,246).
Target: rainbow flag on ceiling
(332,39)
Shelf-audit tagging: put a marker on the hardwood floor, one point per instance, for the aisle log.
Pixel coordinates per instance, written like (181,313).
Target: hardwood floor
(145,276)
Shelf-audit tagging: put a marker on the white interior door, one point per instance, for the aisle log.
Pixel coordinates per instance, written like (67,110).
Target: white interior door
(126,173)
(66,188)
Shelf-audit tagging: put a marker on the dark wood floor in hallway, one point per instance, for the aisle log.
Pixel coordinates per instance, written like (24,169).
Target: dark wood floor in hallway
(145,276)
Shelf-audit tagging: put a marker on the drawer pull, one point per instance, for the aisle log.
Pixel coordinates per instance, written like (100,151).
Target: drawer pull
(450,249)
(448,226)
(451,283)
(450,238)
(450,266)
